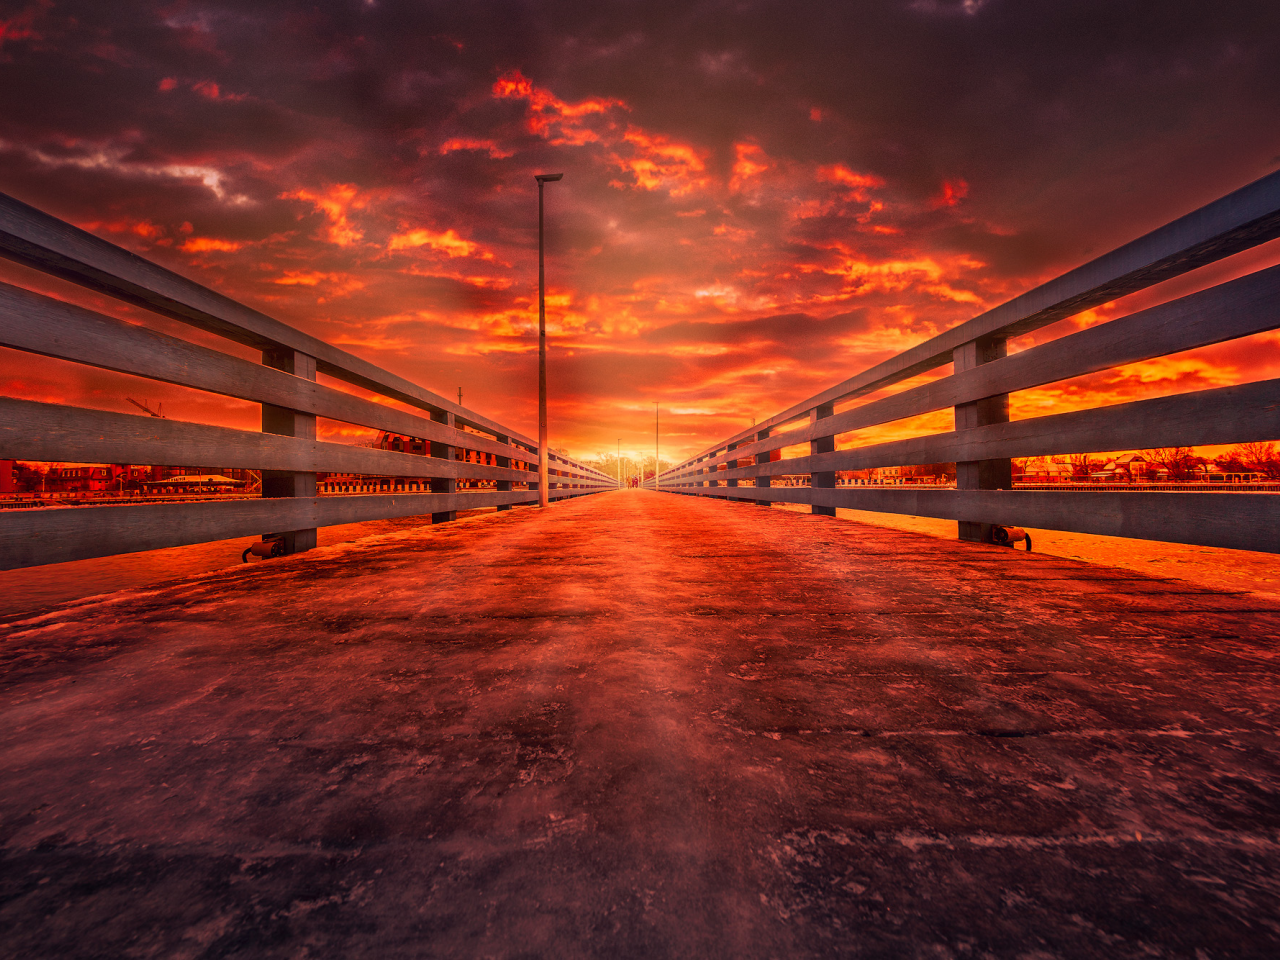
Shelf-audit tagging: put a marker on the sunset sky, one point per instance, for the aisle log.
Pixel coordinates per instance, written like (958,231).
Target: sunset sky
(760,199)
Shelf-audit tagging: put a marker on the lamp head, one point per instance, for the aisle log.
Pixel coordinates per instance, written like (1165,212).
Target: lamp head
(547,177)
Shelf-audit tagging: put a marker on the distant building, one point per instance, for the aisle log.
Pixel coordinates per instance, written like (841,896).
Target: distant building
(1046,472)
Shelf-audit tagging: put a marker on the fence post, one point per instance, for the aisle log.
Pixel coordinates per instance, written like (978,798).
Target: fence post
(503,485)
(763,458)
(443,451)
(732,465)
(981,474)
(290,423)
(824,479)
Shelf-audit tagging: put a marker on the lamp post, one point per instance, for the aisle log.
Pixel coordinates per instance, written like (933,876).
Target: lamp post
(619,463)
(542,178)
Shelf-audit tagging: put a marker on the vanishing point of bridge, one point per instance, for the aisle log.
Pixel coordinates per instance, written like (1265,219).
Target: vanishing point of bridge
(638,724)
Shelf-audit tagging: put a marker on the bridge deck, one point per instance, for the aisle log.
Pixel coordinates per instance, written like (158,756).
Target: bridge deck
(641,725)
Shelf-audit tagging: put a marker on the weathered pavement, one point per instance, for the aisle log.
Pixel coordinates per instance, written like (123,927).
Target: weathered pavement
(641,725)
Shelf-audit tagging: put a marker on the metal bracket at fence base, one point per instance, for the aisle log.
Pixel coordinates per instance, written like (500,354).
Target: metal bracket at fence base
(266,547)
(1008,536)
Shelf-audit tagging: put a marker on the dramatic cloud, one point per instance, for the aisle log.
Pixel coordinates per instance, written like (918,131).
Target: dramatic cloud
(759,199)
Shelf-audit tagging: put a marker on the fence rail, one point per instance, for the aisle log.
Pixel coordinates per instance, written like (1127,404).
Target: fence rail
(983,376)
(286,451)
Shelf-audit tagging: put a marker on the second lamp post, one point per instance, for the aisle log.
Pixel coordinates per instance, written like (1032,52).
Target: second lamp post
(542,178)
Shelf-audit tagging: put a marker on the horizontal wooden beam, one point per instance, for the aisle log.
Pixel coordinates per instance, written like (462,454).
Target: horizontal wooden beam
(35,238)
(1229,311)
(1241,414)
(1238,521)
(30,430)
(1240,220)
(38,324)
(56,535)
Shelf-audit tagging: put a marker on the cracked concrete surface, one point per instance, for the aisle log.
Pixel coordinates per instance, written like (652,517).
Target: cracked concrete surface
(640,725)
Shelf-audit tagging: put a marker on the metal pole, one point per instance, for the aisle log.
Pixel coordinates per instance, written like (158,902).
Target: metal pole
(542,362)
(542,178)
(619,463)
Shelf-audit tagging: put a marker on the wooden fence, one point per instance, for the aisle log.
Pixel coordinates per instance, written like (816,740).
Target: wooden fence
(286,451)
(983,375)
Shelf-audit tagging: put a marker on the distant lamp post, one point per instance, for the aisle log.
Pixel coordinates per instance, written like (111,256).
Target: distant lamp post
(542,178)
(656,459)
(619,463)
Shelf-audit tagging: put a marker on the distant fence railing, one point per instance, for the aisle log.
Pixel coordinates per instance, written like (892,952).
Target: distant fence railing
(286,451)
(983,375)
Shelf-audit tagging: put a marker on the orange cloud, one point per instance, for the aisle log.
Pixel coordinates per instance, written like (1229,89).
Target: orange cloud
(549,116)
(658,163)
(925,274)
(142,228)
(750,163)
(334,202)
(209,244)
(858,183)
(340,283)
(467,143)
(953,191)
(448,243)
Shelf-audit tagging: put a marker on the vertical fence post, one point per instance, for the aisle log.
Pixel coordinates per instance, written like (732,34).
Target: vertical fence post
(981,474)
(732,465)
(825,479)
(290,423)
(443,451)
(503,485)
(763,458)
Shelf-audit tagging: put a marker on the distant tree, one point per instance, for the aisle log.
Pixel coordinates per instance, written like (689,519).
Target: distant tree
(1025,465)
(1259,457)
(30,477)
(1178,461)
(648,466)
(608,464)
(1082,465)
(1231,463)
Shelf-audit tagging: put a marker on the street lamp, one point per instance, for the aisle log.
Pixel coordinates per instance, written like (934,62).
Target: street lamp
(542,178)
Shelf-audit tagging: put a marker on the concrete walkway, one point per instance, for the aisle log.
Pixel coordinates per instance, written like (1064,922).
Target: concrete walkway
(642,726)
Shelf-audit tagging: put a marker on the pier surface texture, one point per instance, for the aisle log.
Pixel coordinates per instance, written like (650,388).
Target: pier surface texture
(638,725)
